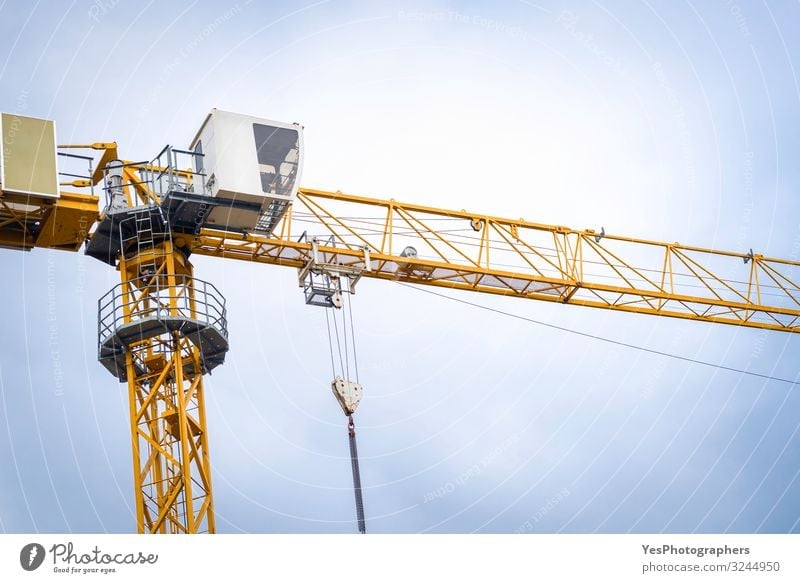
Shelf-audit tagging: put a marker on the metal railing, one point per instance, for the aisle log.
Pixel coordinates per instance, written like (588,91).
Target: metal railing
(176,169)
(75,173)
(149,299)
(172,169)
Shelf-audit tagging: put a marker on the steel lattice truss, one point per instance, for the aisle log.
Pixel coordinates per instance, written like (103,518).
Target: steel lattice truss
(460,250)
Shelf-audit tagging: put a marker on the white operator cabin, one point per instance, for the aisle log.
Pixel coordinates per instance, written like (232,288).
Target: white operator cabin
(252,163)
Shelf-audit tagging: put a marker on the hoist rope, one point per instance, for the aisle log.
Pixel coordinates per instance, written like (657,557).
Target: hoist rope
(344,363)
(346,352)
(330,343)
(353,337)
(338,344)
(606,339)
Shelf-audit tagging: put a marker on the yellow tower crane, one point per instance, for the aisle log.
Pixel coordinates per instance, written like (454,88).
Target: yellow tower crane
(234,194)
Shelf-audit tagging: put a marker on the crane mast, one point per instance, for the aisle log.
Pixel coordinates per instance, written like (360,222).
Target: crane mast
(161,329)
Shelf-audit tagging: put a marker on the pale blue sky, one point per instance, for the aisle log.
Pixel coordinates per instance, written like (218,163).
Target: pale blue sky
(674,121)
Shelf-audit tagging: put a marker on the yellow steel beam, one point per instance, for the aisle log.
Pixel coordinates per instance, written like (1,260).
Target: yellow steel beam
(67,224)
(62,223)
(475,252)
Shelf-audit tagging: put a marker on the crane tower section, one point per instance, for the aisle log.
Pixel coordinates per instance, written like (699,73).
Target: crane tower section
(161,329)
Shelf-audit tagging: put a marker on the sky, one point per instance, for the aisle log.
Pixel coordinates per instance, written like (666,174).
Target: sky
(673,121)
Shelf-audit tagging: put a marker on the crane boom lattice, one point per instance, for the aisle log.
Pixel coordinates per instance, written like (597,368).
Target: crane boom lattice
(460,250)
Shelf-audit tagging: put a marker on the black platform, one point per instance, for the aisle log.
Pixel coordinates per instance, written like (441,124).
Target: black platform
(211,342)
(118,226)
(179,212)
(187,212)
